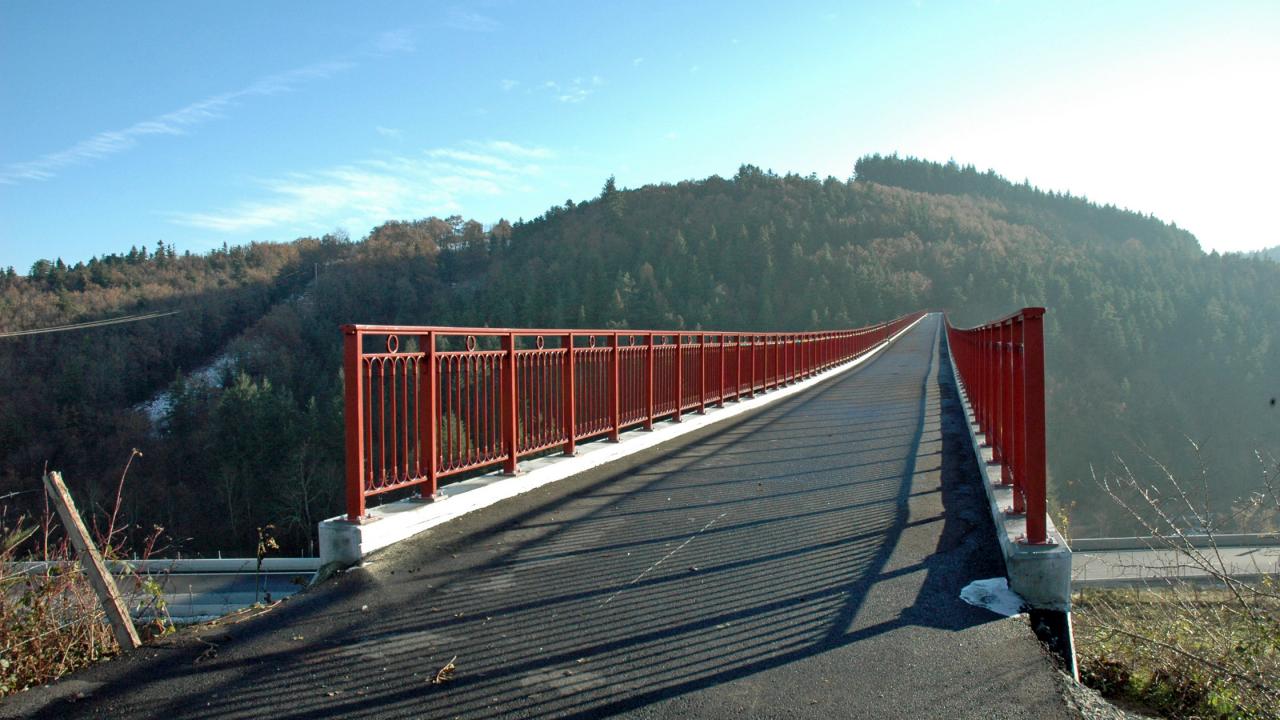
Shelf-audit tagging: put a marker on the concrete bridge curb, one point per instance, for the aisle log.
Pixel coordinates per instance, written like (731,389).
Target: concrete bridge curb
(1041,574)
(344,543)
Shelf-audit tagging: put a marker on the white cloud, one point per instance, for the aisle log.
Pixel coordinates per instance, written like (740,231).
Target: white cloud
(637,62)
(178,122)
(509,85)
(182,120)
(510,148)
(393,133)
(460,19)
(574,91)
(395,41)
(364,194)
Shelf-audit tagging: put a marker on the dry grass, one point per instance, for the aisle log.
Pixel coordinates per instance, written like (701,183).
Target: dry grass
(1181,651)
(51,622)
(1207,649)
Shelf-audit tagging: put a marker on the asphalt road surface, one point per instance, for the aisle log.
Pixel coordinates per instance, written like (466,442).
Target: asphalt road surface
(801,561)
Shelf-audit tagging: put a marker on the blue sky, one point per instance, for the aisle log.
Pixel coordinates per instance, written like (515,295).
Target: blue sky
(199,124)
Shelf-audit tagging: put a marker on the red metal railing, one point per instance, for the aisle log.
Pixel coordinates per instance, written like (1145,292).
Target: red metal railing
(430,402)
(1001,367)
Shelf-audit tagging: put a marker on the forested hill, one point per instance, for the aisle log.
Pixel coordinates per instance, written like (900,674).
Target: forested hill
(1150,341)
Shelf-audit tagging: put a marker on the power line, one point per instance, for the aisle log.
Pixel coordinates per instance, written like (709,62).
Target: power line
(90,324)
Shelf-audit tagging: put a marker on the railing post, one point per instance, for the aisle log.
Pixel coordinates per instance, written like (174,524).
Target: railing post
(353,399)
(786,363)
(1033,353)
(764,363)
(752,389)
(649,361)
(615,389)
(702,374)
(428,423)
(679,378)
(1009,421)
(997,397)
(984,336)
(737,368)
(766,352)
(1017,380)
(723,364)
(777,361)
(569,393)
(510,426)
(793,358)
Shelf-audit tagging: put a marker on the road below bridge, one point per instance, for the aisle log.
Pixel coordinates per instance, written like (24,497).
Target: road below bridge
(801,561)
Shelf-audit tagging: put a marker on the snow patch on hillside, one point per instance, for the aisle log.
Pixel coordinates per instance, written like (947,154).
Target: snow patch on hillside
(209,375)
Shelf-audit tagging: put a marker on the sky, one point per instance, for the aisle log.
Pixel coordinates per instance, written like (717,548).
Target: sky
(199,124)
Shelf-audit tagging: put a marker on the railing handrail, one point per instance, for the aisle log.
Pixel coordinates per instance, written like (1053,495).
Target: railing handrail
(1001,368)
(492,331)
(1024,313)
(414,417)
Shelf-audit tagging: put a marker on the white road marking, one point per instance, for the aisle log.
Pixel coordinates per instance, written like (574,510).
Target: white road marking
(664,558)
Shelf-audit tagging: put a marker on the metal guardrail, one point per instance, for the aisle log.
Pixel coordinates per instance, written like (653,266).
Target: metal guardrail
(1001,368)
(1232,540)
(424,403)
(178,566)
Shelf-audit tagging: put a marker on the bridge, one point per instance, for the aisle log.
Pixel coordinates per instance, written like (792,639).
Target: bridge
(655,524)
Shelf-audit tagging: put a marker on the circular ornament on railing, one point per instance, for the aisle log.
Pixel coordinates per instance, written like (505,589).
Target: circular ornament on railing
(471,343)
(538,342)
(631,340)
(591,341)
(393,343)
(660,340)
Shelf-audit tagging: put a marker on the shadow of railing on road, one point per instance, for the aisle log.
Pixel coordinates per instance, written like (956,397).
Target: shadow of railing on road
(697,568)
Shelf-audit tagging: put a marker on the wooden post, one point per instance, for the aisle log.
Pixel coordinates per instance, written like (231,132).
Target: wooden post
(103,584)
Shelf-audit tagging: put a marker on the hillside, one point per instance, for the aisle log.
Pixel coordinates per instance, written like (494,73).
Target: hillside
(1150,341)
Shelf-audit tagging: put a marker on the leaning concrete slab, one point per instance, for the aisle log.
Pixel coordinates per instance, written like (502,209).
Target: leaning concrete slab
(346,543)
(1041,574)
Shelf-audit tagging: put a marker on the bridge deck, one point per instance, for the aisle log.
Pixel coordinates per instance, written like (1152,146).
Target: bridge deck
(805,561)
